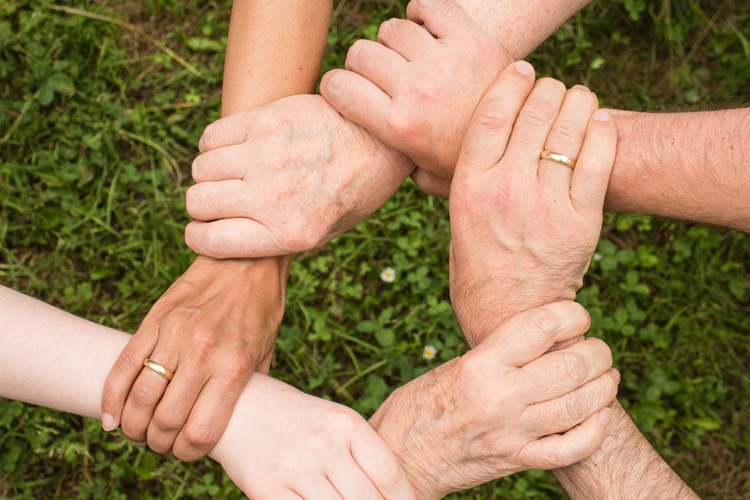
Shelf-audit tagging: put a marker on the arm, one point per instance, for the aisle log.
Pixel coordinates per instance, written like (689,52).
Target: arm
(55,359)
(228,312)
(625,467)
(684,165)
(356,173)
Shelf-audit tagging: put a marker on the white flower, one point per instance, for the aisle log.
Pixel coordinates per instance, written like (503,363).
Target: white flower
(429,352)
(388,275)
(597,256)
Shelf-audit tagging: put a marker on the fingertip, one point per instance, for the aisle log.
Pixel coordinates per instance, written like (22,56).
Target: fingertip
(601,115)
(330,84)
(525,68)
(109,422)
(604,416)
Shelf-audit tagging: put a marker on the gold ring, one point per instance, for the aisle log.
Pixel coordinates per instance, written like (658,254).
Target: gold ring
(558,158)
(158,369)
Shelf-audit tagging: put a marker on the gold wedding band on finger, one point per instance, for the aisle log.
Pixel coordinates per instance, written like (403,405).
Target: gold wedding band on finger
(158,369)
(558,158)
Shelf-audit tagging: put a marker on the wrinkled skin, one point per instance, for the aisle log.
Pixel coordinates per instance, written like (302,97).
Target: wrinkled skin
(500,408)
(286,178)
(524,229)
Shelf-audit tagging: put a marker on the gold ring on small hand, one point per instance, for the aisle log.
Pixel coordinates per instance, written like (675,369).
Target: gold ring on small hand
(158,369)
(558,158)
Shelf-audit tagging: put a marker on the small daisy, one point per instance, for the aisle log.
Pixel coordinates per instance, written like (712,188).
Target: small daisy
(429,352)
(388,275)
(597,256)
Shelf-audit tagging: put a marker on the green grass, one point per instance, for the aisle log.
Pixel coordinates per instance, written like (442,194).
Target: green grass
(99,124)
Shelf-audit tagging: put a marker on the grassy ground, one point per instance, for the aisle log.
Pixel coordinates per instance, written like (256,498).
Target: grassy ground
(99,120)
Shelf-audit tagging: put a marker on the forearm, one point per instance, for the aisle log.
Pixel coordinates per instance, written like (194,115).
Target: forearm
(520,26)
(626,467)
(684,165)
(274,51)
(54,359)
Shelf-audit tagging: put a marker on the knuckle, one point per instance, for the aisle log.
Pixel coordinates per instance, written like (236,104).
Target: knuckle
(538,112)
(354,51)
(205,339)
(400,125)
(200,436)
(214,241)
(575,407)
(602,350)
(492,115)
(145,394)
(129,360)
(169,420)
(544,320)
(552,85)
(387,27)
(574,368)
(567,132)
(425,89)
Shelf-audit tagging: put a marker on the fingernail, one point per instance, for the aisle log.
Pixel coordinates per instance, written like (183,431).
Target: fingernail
(616,374)
(524,68)
(604,416)
(580,87)
(143,443)
(601,115)
(108,422)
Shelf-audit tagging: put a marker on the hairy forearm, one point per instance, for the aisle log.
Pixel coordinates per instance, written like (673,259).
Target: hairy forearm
(684,165)
(520,26)
(626,467)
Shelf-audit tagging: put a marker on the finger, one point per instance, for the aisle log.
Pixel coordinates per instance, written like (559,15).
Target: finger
(442,18)
(431,184)
(566,138)
(351,482)
(591,175)
(565,412)
(487,136)
(124,373)
(174,408)
(220,164)
(377,63)
(358,99)
(528,335)
(234,239)
(579,443)
(145,395)
(228,131)
(406,38)
(219,200)
(316,488)
(379,463)
(534,124)
(559,372)
(208,418)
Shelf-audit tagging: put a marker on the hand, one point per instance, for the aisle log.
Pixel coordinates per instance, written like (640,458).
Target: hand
(282,444)
(213,328)
(286,178)
(417,86)
(524,229)
(508,405)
